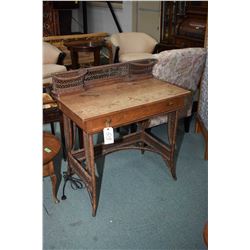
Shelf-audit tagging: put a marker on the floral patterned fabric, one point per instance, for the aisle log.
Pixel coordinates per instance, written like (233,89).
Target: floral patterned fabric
(203,101)
(182,67)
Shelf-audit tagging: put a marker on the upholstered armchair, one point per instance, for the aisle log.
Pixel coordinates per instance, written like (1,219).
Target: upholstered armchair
(129,46)
(202,112)
(182,67)
(52,61)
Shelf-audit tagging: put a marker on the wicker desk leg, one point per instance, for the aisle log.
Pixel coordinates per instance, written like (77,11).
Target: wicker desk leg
(90,166)
(172,127)
(143,126)
(68,139)
(62,135)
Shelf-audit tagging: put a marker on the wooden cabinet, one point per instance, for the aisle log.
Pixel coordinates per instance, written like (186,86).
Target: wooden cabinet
(50,20)
(183,24)
(58,18)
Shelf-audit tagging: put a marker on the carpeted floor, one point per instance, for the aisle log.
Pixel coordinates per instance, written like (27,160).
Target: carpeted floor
(140,205)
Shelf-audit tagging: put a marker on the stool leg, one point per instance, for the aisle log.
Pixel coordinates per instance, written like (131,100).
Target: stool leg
(53,181)
(206,150)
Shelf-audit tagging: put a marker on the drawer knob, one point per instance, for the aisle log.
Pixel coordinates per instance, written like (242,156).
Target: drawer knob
(108,122)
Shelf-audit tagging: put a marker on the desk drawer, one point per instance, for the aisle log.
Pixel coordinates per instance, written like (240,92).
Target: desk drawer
(132,115)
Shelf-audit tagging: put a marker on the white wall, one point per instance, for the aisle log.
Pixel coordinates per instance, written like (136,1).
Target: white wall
(100,18)
(146,17)
(76,25)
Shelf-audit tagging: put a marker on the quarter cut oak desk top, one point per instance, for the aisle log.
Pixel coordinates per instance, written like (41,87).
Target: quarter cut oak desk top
(121,103)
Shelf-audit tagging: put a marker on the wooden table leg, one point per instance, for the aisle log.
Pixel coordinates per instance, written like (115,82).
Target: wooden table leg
(74,59)
(172,127)
(97,57)
(90,166)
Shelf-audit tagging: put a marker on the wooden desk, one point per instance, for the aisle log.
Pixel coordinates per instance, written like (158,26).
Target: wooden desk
(117,104)
(79,46)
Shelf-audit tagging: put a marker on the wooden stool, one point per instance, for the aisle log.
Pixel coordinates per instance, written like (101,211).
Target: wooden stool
(51,147)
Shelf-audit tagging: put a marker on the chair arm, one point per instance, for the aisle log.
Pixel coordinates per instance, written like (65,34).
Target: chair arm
(113,45)
(116,57)
(61,57)
(156,48)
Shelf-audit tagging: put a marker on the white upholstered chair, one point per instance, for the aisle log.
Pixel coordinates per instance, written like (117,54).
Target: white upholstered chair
(182,67)
(52,58)
(129,46)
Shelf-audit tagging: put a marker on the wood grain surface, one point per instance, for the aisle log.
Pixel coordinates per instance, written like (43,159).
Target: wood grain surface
(120,96)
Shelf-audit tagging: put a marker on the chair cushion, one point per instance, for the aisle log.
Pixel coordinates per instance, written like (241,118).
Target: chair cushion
(50,69)
(182,67)
(50,53)
(134,56)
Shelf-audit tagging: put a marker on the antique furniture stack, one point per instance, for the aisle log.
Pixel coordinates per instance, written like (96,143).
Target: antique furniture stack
(55,56)
(52,63)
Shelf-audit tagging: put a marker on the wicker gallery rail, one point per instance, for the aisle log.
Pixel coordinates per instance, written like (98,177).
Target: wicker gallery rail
(113,96)
(85,78)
